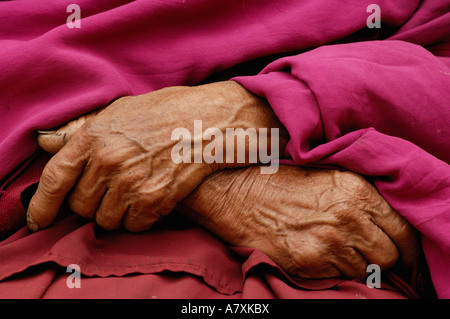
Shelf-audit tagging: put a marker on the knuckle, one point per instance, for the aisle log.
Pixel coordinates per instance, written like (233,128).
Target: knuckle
(332,240)
(78,206)
(51,182)
(305,257)
(102,158)
(82,136)
(140,218)
(387,258)
(351,217)
(347,215)
(110,154)
(358,264)
(349,253)
(353,184)
(129,181)
(88,128)
(380,209)
(106,222)
(136,225)
(106,159)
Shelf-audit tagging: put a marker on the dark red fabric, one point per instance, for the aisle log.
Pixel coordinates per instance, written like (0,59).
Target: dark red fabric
(50,74)
(176,259)
(12,212)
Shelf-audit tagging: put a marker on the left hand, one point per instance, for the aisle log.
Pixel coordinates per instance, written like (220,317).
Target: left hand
(118,165)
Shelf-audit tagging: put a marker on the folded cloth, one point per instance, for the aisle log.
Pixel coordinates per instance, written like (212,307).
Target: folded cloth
(51,73)
(343,106)
(176,259)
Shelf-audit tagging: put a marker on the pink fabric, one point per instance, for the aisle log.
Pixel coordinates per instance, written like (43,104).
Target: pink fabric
(379,108)
(365,120)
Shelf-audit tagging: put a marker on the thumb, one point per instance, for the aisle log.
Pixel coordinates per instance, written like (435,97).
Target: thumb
(52,141)
(58,178)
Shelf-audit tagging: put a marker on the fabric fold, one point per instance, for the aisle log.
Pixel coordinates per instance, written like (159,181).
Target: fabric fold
(376,104)
(348,98)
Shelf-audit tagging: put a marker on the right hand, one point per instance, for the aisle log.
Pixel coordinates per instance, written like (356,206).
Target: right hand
(312,223)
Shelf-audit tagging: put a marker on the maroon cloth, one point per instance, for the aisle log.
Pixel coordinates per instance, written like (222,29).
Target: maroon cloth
(50,74)
(176,259)
(366,121)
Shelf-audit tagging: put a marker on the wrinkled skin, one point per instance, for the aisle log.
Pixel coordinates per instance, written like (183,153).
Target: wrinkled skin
(118,164)
(313,223)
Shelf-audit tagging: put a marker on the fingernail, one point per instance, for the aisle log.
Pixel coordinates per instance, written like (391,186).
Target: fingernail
(46,132)
(32,225)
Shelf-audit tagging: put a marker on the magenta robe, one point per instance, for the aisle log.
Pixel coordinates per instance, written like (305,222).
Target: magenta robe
(373,101)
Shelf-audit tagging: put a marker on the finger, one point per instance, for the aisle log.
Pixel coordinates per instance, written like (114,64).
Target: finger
(351,263)
(52,141)
(137,220)
(140,217)
(58,177)
(376,247)
(89,191)
(310,258)
(112,208)
(330,260)
(146,207)
(402,234)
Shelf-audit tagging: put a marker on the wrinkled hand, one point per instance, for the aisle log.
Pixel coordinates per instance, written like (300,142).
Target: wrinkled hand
(324,223)
(313,223)
(117,166)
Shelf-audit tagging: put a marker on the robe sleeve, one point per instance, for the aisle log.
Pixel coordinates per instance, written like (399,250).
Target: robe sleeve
(380,109)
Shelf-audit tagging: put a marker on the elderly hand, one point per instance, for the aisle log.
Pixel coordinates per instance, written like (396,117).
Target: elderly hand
(312,223)
(118,167)
(324,223)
